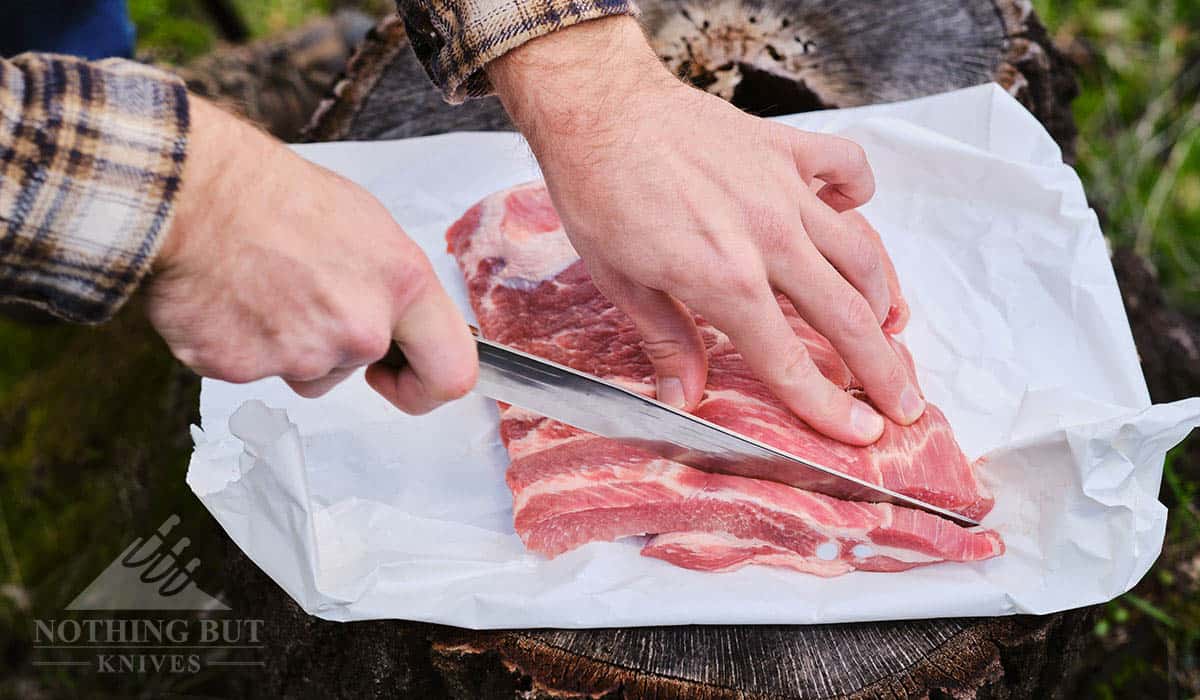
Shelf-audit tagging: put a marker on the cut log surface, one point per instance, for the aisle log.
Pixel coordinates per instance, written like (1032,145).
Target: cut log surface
(1008,657)
(769,58)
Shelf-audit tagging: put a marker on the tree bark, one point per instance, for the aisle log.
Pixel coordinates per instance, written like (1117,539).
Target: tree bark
(859,52)
(278,82)
(1168,340)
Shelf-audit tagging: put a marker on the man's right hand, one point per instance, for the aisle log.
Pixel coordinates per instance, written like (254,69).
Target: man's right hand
(678,202)
(274,266)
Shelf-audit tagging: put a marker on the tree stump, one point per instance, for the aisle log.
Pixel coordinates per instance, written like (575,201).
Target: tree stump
(278,81)
(771,57)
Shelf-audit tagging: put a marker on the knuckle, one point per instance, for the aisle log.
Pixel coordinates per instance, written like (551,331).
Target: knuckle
(308,390)
(234,372)
(897,375)
(823,413)
(856,160)
(455,386)
(777,135)
(662,349)
(306,367)
(853,154)
(188,357)
(865,256)
(857,319)
(365,344)
(678,276)
(860,224)
(775,237)
(215,360)
(739,283)
(411,274)
(787,140)
(798,369)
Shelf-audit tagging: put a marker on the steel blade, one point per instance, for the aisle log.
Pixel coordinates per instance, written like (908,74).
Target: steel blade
(609,410)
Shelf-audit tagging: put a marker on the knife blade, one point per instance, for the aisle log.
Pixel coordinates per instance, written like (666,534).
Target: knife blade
(612,411)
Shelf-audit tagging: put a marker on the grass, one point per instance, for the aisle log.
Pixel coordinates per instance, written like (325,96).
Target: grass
(1139,157)
(179,30)
(1139,121)
(94,443)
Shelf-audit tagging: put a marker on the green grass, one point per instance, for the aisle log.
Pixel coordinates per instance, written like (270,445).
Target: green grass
(172,30)
(180,30)
(93,450)
(1139,121)
(1139,157)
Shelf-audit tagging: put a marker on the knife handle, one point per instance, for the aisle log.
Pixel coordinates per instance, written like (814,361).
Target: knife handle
(395,356)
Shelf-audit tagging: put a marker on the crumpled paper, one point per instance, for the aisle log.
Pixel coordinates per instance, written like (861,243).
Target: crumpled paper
(1019,335)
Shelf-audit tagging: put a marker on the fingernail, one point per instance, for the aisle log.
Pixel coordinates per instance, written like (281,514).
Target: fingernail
(867,423)
(911,403)
(670,392)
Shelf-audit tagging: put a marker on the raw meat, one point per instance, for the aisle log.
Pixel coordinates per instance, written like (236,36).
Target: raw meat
(529,290)
(587,488)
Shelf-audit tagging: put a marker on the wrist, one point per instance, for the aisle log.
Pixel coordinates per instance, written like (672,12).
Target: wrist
(582,82)
(210,181)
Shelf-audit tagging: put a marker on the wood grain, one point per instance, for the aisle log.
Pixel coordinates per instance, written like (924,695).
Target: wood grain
(1011,657)
(859,53)
(895,659)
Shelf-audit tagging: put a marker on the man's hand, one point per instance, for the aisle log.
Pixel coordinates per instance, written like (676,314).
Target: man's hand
(676,200)
(274,266)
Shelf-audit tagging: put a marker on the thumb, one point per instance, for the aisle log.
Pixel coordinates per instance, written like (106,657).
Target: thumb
(669,338)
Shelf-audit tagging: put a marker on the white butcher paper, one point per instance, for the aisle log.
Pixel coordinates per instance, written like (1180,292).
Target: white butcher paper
(359,511)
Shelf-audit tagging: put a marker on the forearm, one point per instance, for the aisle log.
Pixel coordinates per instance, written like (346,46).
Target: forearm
(91,156)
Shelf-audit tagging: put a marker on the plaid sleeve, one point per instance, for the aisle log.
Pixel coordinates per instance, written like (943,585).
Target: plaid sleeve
(455,39)
(90,160)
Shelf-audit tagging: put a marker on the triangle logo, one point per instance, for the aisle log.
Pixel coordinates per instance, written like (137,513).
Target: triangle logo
(148,576)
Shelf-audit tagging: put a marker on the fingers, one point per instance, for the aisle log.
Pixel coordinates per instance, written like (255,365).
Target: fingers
(314,388)
(669,338)
(850,244)
(442,361)
(896,318)
(906,357)
(898,313)
(845,318)
(840,163)
(761,333)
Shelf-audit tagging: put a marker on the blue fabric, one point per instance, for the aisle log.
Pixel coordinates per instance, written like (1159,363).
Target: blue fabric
(89,28)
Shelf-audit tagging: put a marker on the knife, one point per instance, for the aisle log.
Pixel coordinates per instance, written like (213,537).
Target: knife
(612,411)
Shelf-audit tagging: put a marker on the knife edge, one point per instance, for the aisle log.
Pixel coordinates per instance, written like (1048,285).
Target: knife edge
(536,384)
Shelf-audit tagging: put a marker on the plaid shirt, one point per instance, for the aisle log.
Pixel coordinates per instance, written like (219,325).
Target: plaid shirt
(91,153)
(90,159)
(455,39)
